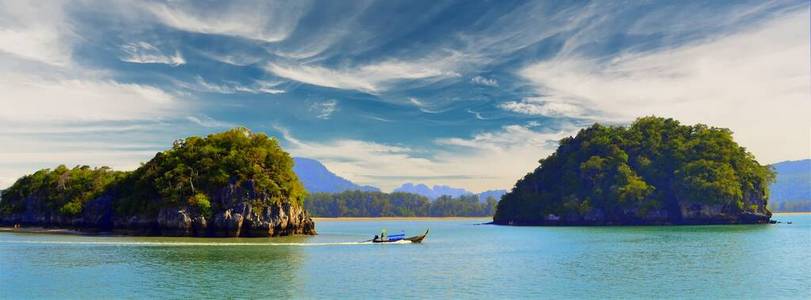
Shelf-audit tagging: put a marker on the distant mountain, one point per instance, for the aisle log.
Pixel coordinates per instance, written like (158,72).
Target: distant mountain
(496,194)
(443,190)
(318,179)
(432,192)
(792,189)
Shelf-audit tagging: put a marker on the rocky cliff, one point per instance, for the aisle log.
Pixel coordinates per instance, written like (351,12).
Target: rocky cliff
(241,217)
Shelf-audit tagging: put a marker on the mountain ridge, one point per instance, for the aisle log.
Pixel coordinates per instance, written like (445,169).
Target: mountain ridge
(318,179)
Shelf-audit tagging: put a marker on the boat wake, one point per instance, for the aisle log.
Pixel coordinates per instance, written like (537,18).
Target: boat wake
(195,244)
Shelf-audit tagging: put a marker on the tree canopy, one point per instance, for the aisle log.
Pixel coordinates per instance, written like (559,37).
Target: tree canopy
(196,169)
(654,164)
(60,190)
(191,173)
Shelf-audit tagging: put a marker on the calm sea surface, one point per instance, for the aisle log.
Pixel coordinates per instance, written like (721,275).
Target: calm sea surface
(458,260)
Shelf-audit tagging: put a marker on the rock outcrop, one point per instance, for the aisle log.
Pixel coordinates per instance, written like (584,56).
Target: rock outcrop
(239,220)
(233,183)
(654,172)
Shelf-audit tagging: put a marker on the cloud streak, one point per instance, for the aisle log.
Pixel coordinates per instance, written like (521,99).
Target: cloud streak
(743,81)
(324,110)
(146,53)
(263,21)
(370,78)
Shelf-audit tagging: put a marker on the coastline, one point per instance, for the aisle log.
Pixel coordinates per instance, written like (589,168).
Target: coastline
(44,230)
(355,219)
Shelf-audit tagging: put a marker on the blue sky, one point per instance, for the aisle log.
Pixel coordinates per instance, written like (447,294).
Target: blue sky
(464,93)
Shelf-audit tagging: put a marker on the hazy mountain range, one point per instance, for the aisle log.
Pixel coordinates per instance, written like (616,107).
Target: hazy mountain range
(432,192)
(318,179)
(792,189)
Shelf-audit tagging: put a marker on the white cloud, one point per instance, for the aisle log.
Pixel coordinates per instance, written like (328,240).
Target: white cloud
(485,161)
(257,20)
(36,31)
(371,78)
(541,107)
(415,101)
(756,82)
(209,122)
(422,106)
(257,87)
(484,81)
(31,97)
(323,110)
(146,53)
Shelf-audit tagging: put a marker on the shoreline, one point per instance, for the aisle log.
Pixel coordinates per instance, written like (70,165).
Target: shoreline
(36,229)
(350,219)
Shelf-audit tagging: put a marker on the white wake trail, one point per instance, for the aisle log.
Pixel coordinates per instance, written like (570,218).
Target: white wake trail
(187,244)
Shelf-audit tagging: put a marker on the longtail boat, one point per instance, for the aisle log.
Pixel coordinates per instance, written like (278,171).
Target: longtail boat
(400,237)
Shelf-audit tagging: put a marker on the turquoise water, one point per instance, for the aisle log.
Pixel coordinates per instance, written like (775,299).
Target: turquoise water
(458,260)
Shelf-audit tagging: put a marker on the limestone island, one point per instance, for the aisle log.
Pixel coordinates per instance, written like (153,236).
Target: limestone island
(654,172)
(234,184)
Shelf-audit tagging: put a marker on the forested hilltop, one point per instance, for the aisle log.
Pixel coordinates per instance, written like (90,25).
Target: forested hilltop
(396,204)
(234,183)
(656,171)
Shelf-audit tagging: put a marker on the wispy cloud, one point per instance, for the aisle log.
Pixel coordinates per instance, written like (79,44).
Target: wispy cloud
(209,122)
(370,78)
(422,106)
(323,110)
(146,53)
(539,106)
(478,115)
(257,87)
(484,81)
(34,97)
(36,31)
(264,21)
(741,81)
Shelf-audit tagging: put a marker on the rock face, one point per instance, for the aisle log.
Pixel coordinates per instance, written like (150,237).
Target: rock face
(240,219)
(684,213)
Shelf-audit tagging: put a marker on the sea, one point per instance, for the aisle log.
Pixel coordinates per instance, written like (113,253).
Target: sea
(460,259)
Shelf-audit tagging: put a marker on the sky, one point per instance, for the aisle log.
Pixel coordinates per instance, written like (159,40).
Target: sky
(463,93)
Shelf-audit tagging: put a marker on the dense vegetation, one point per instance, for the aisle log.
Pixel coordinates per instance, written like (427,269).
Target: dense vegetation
(60,190)
(397,204)
(191,173)
(654,165)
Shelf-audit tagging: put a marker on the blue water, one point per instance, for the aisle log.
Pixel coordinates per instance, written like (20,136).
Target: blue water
(458,260)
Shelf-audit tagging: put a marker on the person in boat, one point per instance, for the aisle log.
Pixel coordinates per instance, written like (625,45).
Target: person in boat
(376,238)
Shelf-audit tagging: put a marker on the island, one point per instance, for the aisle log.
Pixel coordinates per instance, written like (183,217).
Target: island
(235,183)
(654,172)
